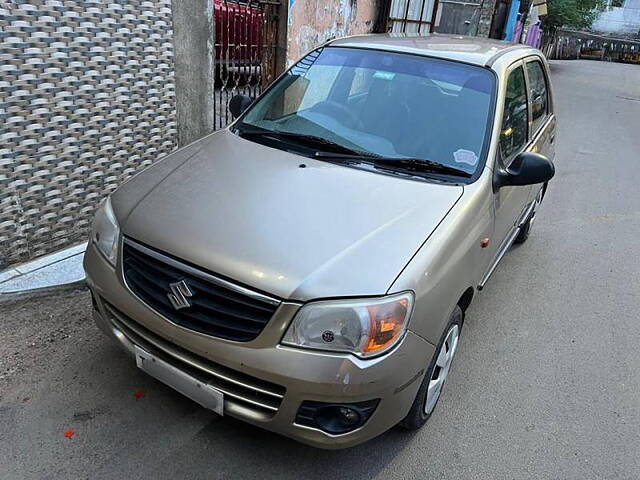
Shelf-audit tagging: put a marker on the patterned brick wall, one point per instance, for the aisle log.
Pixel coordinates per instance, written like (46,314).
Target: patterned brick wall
(86,99)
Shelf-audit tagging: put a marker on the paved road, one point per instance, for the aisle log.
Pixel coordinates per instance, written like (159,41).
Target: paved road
(546,384)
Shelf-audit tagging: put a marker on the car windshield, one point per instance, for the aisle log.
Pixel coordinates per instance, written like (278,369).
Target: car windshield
(382,104)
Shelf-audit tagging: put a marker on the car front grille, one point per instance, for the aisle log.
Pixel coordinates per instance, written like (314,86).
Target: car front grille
(208,304)
(245,396)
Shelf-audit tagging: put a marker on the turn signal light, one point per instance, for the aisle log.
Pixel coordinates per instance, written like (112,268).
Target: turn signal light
(386,324)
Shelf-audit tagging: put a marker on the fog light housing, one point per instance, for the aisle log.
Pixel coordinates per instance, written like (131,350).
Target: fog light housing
(335,418)
(349,416)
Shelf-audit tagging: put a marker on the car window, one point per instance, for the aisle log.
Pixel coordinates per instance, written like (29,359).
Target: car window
(513,135)
(537,93)
(384,103)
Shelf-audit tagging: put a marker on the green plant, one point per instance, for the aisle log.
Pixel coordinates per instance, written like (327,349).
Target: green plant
(576,14)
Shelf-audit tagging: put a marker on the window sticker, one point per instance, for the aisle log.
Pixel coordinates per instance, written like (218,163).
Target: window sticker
(384,75)
(465,156)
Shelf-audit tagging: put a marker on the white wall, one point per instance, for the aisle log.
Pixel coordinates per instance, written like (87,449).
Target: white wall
(622,20)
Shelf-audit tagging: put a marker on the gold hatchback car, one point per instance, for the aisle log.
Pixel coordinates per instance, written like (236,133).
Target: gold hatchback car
(307,269)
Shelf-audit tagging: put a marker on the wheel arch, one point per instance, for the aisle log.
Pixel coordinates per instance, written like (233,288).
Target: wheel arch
(465,300)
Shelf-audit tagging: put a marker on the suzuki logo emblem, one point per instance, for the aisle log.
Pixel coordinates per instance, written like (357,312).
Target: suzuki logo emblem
(179,295)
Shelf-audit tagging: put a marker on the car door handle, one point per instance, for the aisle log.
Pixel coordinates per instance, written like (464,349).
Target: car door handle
(552,138)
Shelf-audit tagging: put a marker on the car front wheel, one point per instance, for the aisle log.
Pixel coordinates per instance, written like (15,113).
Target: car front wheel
(437,372)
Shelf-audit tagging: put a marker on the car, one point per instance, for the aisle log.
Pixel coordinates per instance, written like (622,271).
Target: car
(308,268)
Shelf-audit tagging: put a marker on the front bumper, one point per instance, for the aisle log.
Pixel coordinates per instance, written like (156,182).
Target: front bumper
(264,383)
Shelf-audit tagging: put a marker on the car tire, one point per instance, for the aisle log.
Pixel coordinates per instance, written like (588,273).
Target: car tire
(525,230)
(425,402)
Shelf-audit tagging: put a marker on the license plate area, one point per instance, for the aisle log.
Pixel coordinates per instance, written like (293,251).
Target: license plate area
(189,386)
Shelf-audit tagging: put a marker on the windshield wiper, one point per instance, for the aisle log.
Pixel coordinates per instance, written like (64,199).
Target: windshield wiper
(410,165)
(341,152)
(418,165)
(302,138)
(356,156)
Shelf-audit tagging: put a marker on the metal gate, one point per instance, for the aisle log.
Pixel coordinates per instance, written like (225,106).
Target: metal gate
(458,17)
(442,16)
(411,16)
(245,47)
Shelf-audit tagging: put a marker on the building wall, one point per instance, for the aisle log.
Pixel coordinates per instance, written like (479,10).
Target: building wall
(623,20)
(486,17)
(86,99)
(193,61)
(312,22)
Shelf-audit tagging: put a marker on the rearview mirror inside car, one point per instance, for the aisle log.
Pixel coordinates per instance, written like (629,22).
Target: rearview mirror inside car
(239,104)
(527,168)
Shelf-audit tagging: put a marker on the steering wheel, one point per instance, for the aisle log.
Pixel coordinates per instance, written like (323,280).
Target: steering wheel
(339,111)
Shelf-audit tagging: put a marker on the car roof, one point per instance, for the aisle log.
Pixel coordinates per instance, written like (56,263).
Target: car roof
(474,50)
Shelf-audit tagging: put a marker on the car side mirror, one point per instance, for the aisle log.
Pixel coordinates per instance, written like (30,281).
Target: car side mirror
(527,168)
(238,104)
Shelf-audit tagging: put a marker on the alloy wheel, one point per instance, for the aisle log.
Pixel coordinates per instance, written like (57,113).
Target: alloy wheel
(441,368)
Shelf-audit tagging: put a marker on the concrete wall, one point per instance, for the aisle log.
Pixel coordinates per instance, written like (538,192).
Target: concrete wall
(623,20)
(193,40)
(312,22)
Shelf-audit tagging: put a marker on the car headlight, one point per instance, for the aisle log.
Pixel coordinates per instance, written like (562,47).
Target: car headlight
(105,231)
(364,327)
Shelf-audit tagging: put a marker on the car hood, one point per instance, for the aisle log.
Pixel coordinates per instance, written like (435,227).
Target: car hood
(255,215)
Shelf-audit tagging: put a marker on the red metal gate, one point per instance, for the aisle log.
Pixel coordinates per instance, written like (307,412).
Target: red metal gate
(246,43)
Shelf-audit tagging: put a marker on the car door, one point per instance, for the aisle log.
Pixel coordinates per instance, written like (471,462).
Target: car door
(510,201)
(543,121)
